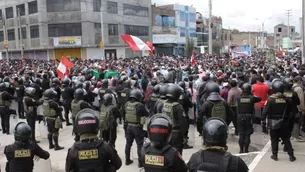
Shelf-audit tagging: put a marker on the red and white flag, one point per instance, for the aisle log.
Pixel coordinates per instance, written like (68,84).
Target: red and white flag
(193,58)
(63,68)
(135,43)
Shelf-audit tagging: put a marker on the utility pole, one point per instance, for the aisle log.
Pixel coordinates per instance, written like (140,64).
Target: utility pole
(303,32)
(102,34)
(20,34)
(288,14)
(210,27)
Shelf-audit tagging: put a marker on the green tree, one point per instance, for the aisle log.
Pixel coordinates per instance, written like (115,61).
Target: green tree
(189,47)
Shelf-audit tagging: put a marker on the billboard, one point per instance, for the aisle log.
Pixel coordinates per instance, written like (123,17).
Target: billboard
(242,50)
(67,42)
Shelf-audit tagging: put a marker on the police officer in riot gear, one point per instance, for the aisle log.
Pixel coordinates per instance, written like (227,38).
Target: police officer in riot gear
(21,153)
(175,111)
(30,108)
(20,94)
(214,157)
(104,89)
(123,96)
(5,102)
(277,110)
(9,86)
(245,110)
(56,86)
(108,115)
(153,98)
(51,111)
(159,155)
(90,96)
(160,102)
(134,113)
(67,95)
(77,105)
(214,106)
(91,153)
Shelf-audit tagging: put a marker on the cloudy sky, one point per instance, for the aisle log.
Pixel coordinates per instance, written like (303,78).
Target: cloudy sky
(247,14)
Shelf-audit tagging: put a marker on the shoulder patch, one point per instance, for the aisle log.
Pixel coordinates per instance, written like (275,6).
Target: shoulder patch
(88,154)
(154,160)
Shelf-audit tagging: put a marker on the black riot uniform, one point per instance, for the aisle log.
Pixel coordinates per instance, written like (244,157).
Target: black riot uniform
(278,107)
(56,86)
(77,105)
(91,153)
(104,89)
(20,94)
(175,111)
(159,155)
(9,86)
(21,153)
(160,102)
(67,95)
(45,82)
(90,96)
(214,106)
(153,98)
(214,157)
(123,96)
(30,108)
(5,102)
(108,115)
(52,111)
(245,110)
(134,113)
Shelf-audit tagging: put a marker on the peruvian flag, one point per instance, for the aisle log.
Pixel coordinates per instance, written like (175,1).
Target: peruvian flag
(63,68)
(152,49)
(193,58)
(135,43)
(281,53)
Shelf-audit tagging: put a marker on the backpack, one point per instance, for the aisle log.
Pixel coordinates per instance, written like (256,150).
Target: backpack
(106,119)
(216,166)
(218,110)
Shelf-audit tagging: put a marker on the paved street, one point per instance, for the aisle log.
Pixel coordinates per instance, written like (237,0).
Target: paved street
(258,160)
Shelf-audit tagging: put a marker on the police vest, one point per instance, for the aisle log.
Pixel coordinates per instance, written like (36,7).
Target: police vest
(218,110)
(123,97)
(288,94)
(156,160)
(105,118)
(47,111)
(28,109)
(90,157)
(102,92)
(21,158)
(131,113)
(168,109)
(75,107)
(153,97)
(244,105)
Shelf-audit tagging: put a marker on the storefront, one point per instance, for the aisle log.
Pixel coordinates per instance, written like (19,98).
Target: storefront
(67,46)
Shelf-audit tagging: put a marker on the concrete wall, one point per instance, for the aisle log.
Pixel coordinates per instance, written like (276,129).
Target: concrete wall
(94,53)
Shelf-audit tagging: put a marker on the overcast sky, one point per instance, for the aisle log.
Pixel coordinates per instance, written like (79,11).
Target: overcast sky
(247,15)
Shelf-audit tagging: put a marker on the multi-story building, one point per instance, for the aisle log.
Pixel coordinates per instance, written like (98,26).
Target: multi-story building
(72,28)
(172,26)
(280,32)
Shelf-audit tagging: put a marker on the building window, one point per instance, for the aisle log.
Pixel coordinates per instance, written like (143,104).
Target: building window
(133,10)
(33,7)
(1,36)
(69,29)
(97,5)
(97,25)
(136,30)
(226,37)
(113,30)
(182,32)
(63,5)
(112,7)
(192,18)
(292,30)
(0,14)
(9,13)
(34,31)
(182,16)
(23,30)
(279,29)
(11,34)
(21,8)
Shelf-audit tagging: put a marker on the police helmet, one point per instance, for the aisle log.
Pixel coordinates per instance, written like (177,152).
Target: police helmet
(212,87)
(79,94)
(162,91)
(22,132)
(30,91)
(127,84)
(136,94)
(6,79)
(20,81)
(38,81)
(182,84)
(278,87)
(173,91)
(87,122)
(79,84)
(156,89)
(50,93)
(104,83)
(246,88)
(159,130)
(55,82)
(2,86)
(215,132)
(288,83)
(87,85)
(154,82)
(107,98)
(66,82)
